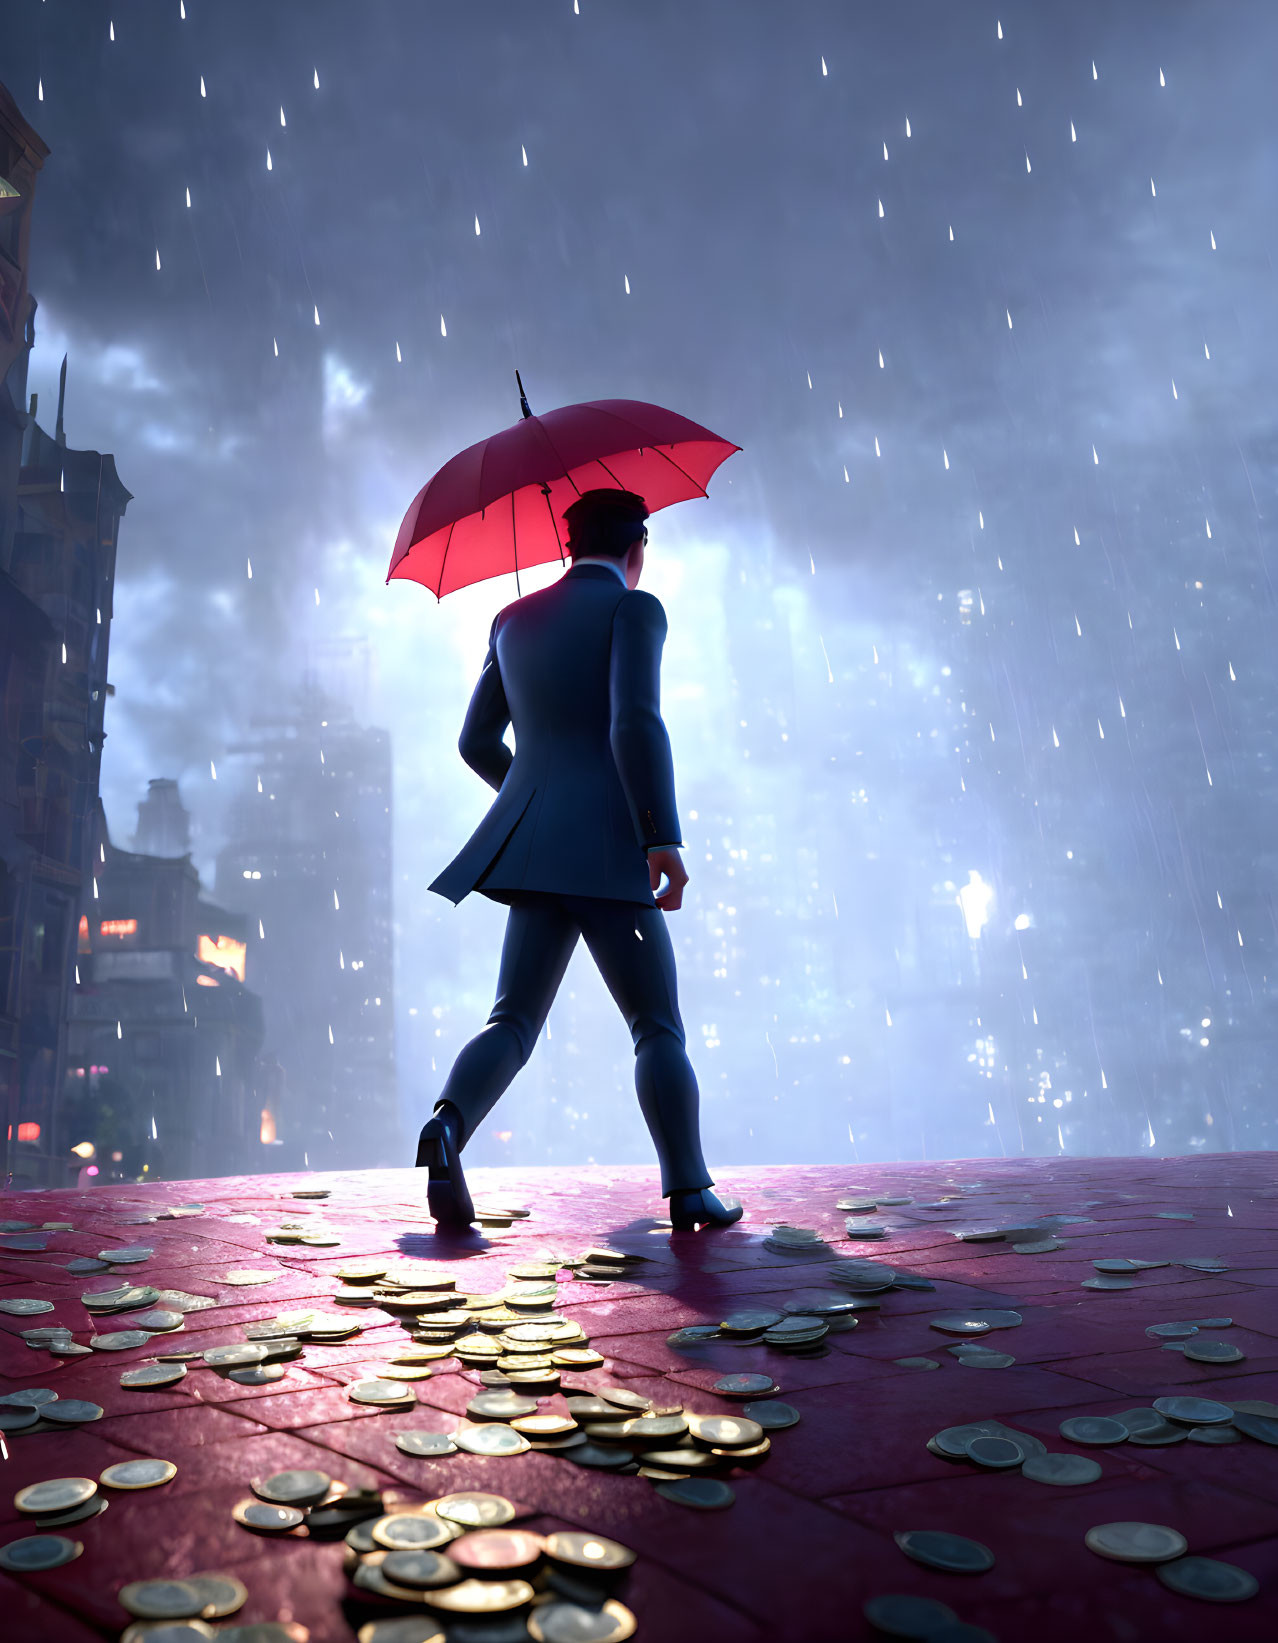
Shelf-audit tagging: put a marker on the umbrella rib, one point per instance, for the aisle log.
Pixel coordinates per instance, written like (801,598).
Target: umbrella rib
(444,560)
(559,459)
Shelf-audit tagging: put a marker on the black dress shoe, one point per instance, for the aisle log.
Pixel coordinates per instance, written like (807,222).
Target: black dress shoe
(439,1150)
(689,1210)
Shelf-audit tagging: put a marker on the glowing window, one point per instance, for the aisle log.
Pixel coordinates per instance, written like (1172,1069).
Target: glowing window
(223,952)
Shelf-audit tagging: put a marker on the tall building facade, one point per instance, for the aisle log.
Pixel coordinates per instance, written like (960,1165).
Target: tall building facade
(162,1078)
(308,863)
(60,511)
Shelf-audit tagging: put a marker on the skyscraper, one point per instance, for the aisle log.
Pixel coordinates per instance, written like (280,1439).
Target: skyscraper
(308,861)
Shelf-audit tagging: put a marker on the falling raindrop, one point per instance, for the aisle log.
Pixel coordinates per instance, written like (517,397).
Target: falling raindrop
(112,31)
(1095,458)
(1152,189)
(946,456)
(476,224)
(218,1062)
(316,81)
(249,562)
(1095,76)
(39,91)
(840,405)
(330,1034)
(980,519)
(1019,103)
(203,93)
(1213,239)
(524,152)
(1009,318)
(317,596)
(443,329)
(1175,395)
(1073,135)
(1206,351)
(824,70)
(188,199)
(627,278)
(275,341)
(317,313)
(337,906)
(269,166)
(1056,741)
(213,770)
(809,379)
(1161,80)
(877,451)
(1000,31)
(283,121)
(951,231)
(157,259)
(399,358)
(880,359)
(1077,543)
(885,152)
(907,129)
(846,479)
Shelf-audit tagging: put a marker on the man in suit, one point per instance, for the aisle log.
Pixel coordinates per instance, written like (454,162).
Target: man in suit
(587,793)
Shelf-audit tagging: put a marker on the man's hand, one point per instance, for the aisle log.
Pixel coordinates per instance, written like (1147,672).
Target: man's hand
(669,862)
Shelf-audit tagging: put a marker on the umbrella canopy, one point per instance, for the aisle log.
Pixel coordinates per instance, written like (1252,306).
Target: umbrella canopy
(498,506)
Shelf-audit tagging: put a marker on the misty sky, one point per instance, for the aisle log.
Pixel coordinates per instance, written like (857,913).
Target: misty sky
(991,317)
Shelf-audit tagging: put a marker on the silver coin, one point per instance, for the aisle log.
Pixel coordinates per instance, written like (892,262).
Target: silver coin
(1263,1428)
(122,1340)
(489,1406)
(706,1494)
(1040,1246)
(153,1374)
(743,1386)
(1115,1265)
(1158,1437)
(71,1411)
(1213,1436)
(76,1514)
(37,1552)
(414,1566)
(1195,1411)
(160,1320)
(33,1397)
(916,1363)
(597,1455)
(411,1531)
(55,1495)
(976,1358)
(1210,1323)
(1172,1332)
(1207,1578)
(1096,1429)
(47,1336)
(1140,1419)
(750,1321)
(17,1417)
(260,1514)
(375,1390)
(693,1335)
(235,1357)
(894,1203)
(1108,1283)
(1062,1469)
(959,1323)
(425,1443)
(998,1454)
(23,1306)
(494,1439)
(1136,1542)
(907,1616)
(258,1374)
(83,1265)
(996,1318)
(162,1599)
(120,1298)
(1213,1352)
(857,1206)
(771,1414)
(938,1550)
(138,1474)
(293,1488)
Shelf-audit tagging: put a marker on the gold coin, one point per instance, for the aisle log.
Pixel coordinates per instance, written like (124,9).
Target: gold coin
(169,1631)
(583,1550)
(55,1495)
(138,1474)
(162,1599)
(403,1372)
(490,1439)
(481,1597)
(474,1510)
(547,1379)
(425,1352)
(681,1460)
(577,1357)
(755,1451)
(562,1622)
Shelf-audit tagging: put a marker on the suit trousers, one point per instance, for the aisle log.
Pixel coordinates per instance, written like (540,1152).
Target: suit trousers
(631,946)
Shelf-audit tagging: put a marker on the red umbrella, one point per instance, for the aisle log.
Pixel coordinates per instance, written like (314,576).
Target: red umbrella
(498,506)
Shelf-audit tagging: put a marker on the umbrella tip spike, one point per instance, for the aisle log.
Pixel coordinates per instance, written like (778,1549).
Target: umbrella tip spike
(523,398)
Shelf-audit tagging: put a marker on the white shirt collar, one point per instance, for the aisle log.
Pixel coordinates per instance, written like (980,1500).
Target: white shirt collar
(611,564)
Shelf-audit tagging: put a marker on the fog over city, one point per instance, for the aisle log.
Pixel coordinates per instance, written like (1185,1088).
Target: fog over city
(970,673)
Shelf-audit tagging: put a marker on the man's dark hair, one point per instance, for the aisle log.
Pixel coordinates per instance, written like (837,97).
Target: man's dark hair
(604,523)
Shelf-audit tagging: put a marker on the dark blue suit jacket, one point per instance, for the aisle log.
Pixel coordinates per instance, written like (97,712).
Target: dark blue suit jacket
(576,668)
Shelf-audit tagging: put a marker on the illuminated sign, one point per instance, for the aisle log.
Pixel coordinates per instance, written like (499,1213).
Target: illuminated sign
(226,954)
(26,1132)
(267,1132)
(83,943)
(119,926)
